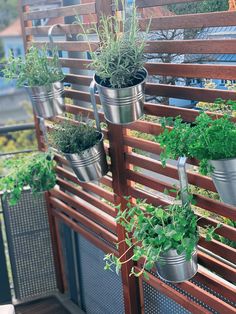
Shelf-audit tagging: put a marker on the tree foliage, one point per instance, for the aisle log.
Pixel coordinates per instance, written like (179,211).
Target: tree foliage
(8,12)
(199,7)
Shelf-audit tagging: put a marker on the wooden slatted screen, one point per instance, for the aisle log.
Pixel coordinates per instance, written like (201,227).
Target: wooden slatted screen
(135,168)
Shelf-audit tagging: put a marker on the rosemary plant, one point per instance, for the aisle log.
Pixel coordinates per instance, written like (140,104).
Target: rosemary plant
(120,57)
(35,70)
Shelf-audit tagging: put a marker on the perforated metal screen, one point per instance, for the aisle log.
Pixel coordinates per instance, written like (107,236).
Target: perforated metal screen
(102,290)
(30,248)
(157,303)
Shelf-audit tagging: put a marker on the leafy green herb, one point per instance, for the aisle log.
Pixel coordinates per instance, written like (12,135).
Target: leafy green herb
(69,138)
(120,56)
(155,230)
(207,139)
(35,70)
(35,170)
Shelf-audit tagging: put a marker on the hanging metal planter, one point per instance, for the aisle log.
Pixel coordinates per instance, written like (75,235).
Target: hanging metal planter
(47,100)
(171,266)
(91,164)
(123,105)
(224,178)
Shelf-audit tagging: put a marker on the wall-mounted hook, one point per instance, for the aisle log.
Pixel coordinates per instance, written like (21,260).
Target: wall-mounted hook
(183,179)
(50,35)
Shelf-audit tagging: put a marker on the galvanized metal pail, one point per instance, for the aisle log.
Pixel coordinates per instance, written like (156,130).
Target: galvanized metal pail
(91,164)
(123,105)
(174,268)
(47,100)
(224,178)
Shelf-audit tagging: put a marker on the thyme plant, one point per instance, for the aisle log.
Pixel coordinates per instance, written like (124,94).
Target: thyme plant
(207,139)
(70,139)
(36,170)
(120,56)
(35,70)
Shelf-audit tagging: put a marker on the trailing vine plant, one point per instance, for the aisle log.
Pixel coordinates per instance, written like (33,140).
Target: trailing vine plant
(151,231)
(35,170)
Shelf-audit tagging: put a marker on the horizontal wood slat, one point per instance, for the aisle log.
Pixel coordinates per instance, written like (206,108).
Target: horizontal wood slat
(109,196)
(88,235)
(211,205)
(88,198)
(61,29)
(195,46)
(152,3)
(88,223)
(169,171)
(193,93)
(216,284)
(219,249)
(75,63)
(77,46)
(210,71)
(71,10)
(207,298)
(203,20)
(86,210)
(36,2)
(218,267)
(170,292)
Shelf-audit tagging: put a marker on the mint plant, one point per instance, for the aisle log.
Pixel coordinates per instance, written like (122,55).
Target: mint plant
(152,231)
(207,139)
(35,70)
(70,139)
(36,170)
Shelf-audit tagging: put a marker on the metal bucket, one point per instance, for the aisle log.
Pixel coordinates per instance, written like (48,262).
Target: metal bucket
(47,100)
(174,268)
(91,164)
(224,178)
(122,105)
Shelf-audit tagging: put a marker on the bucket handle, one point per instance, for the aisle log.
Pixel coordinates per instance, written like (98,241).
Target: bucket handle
(183,179)
(92,90)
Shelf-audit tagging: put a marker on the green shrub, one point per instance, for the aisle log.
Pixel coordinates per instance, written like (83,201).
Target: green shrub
(35,70)
(36,170)
(207,139)
(70,139)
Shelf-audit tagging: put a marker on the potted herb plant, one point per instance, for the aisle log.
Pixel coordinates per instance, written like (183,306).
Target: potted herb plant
(212,142)
(83,147)
(36,170)
(42,77)
(165,237)
(120,75)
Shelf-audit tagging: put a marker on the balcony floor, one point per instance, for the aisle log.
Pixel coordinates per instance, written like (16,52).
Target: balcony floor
(44,306)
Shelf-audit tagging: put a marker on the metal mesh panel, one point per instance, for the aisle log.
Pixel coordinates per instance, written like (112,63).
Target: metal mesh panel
(30,246)
(102,290)
(157,303)
(211,310)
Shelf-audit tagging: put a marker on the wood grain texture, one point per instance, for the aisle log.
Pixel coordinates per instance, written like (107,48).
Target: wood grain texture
(212,19)
(61,11)
(153,3)
(43,306)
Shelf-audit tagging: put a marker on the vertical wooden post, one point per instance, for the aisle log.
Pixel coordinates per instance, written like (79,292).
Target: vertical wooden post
(120,184)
